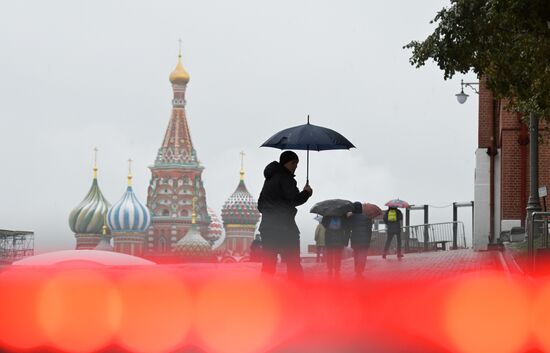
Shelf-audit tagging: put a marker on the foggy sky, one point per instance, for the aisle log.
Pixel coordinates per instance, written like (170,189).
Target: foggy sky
(80,74)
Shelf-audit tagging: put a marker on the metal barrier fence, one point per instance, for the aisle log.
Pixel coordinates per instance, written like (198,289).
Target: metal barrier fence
(537,236)
(423,237)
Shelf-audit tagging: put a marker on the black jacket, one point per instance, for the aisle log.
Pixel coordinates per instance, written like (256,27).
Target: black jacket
(361,230)
(278,201)
(335,238)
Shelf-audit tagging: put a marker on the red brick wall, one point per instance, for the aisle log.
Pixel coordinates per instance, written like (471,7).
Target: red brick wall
(485,116)
(512,203)
(514,154)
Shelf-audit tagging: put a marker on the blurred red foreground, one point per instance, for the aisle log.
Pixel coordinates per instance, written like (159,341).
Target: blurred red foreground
(171,309)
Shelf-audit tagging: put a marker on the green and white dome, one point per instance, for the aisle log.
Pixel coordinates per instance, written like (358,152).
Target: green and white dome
(89,216)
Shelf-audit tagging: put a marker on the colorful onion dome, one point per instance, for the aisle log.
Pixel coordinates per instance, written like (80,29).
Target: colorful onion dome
(216,231)
(241,207)
(89,216)
(128,214)
(179,75)
(193,244)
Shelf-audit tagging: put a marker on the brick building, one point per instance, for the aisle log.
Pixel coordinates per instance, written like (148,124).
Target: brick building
(502,169)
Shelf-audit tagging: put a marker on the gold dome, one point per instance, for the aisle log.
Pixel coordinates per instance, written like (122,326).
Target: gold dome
(179,75)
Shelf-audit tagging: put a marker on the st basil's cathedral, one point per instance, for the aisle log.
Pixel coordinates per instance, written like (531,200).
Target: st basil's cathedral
(175,224)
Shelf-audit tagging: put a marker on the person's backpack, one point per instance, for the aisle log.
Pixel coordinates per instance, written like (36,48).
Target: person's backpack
(335,223)
(392,215)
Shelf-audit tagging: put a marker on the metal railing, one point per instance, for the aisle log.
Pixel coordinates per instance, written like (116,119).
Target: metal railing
(538,229)
(424,237)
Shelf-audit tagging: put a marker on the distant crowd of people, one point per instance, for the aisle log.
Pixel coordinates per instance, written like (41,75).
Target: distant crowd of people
(334,233)
(280,235)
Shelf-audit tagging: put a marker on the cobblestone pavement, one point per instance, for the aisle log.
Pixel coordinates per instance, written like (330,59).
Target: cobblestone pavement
(428,265)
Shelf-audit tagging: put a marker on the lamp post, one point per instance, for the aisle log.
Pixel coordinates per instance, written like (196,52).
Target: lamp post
(533,205)
(462,97)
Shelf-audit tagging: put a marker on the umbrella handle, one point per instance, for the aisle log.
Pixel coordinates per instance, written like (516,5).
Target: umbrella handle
(307,168)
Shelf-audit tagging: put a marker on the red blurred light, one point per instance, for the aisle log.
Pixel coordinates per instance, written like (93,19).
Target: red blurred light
(19,293)
(79,310)
(488,313)
(541,316)
(157,311)
(237,315)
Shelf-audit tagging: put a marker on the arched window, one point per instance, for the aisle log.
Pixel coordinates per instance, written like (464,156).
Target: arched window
(165,212)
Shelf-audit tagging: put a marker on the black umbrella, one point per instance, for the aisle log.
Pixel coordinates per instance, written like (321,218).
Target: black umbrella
(308,137)
(333,207)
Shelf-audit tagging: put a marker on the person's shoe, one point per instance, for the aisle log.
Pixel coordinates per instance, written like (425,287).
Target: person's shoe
(384,256)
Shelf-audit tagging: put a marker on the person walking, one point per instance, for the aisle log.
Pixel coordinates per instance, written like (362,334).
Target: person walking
(393,219)
(336,238)
(277,204)
(360,235)
(256,249)
(320,242)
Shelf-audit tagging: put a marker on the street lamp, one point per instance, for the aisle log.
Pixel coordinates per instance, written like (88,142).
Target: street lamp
(462,97)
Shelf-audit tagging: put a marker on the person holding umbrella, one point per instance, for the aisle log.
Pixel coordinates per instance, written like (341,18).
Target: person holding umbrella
(393,219)
(277,204)
(360,223)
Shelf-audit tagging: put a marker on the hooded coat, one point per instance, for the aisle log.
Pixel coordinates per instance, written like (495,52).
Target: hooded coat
(361,230)
(278,200)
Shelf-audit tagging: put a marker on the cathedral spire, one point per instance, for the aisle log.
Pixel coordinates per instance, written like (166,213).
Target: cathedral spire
(179,76)
(130,172)
(242,165)
(177,147)
(95,162)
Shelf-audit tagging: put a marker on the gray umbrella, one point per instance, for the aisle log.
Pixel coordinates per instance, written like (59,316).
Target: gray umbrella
(333,207)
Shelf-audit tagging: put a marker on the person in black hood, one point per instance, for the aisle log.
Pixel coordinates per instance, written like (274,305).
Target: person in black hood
(361,233)
(277,204)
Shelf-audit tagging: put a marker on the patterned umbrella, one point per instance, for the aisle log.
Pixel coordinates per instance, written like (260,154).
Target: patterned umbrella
(371,210)
(397,203)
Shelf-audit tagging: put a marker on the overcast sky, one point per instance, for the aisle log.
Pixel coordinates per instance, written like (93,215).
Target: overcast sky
(79,74)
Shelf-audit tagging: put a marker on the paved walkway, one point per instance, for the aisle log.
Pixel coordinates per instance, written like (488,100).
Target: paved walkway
(428,266)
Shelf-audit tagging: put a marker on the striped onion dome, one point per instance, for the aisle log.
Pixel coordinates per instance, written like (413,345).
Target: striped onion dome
(241,207)
(216,231)
(193,244)
(89,216)
(128,214)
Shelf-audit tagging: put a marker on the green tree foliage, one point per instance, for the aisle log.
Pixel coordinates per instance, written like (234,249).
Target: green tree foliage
(507,41)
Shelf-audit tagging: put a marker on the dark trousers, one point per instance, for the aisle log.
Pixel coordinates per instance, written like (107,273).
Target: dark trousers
(320,253)
(333,256)
(389,239)
(290,254)
(360,259)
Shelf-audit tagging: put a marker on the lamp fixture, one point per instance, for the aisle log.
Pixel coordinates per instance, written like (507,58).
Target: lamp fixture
(462,97)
